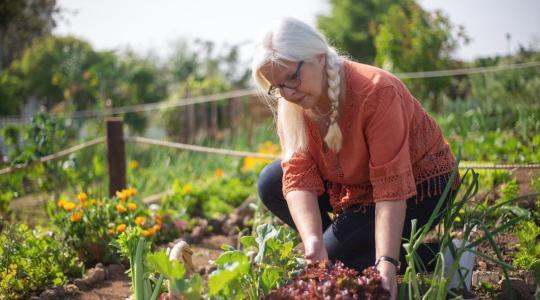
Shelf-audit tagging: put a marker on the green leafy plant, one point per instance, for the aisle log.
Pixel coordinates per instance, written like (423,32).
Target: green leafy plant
(32,260)
(267,261)
(212,198)
(135,248)
(438,287)
(528,251)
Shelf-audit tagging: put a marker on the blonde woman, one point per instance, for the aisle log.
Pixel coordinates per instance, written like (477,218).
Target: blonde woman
(356,143)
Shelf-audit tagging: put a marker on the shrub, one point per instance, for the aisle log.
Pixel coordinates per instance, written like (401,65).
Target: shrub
(31,260)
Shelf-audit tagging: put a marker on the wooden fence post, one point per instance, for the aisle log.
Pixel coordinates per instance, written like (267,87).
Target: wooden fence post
(116,155)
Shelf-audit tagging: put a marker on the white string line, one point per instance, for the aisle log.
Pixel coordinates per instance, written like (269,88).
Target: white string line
(221,151)
(488,166)
(467,71)
(55,155)
(250,92)
(195,148)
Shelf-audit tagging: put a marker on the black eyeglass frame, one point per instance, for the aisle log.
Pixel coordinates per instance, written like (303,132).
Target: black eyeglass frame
(273,89)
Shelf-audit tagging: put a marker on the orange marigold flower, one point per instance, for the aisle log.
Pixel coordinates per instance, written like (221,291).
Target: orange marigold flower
(93,201)
(156,227)
(140,220)
(147,233)
(219,173)
(122,195)
(121,228)
(132,206)
(76,217)
(82,197)
(69,206)
(120,208)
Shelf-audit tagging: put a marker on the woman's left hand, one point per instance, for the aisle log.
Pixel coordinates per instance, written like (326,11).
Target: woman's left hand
(388,276)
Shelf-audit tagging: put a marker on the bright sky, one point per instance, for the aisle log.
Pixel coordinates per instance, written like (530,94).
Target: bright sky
(155,25)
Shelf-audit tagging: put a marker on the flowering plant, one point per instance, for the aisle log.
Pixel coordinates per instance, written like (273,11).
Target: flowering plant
(89,225)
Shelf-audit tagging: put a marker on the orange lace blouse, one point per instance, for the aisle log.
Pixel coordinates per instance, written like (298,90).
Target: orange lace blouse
(390,145)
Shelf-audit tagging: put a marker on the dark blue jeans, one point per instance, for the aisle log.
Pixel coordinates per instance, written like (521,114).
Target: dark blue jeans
(350,237)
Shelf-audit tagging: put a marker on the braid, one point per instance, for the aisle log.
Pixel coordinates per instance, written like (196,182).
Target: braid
(333,137)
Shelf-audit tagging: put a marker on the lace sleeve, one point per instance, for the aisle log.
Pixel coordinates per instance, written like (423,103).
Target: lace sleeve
(301,173)
(390,167)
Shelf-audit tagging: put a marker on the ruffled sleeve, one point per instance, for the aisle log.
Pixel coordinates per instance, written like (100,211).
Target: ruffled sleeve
(387,134)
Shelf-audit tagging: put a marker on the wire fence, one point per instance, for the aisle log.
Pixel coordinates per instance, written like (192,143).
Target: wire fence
(229,152)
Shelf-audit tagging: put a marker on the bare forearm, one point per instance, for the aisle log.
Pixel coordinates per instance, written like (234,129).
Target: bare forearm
(304,209)
(389,219)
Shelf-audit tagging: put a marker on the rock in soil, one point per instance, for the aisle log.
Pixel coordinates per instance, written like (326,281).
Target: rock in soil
(484,276)
(115,271)
(52,293)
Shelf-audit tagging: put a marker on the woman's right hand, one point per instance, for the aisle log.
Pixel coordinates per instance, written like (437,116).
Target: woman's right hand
(314,250)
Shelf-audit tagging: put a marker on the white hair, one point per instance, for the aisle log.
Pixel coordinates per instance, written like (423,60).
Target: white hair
(292,40)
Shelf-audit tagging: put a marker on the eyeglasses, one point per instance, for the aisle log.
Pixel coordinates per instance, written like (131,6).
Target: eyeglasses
(292,83)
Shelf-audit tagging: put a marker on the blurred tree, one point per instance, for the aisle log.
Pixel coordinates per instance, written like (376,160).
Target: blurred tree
(21,22)
(52,70)
(398,35)
(410,39)
(10,93)
(183,61)
(352,26)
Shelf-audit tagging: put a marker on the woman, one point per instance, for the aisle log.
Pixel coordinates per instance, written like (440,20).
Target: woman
(355,142)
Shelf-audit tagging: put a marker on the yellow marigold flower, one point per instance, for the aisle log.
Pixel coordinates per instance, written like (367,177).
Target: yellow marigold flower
(61,203)
(132,206)
(110,231)
(82,197)
(131,191)
(120,208)
(219,173)
(148,233)
(69,206)
(187,189)
(101,203)
(133,164)
(93,201)
(140,220)
(76,217)
(122,195)
(121,228)
(249,164)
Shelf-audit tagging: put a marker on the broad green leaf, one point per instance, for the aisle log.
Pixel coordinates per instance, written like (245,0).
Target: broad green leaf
(228,258)
(248,241)
(233,265)
(219,279)
(269,278)
(159,261)
(264,233)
